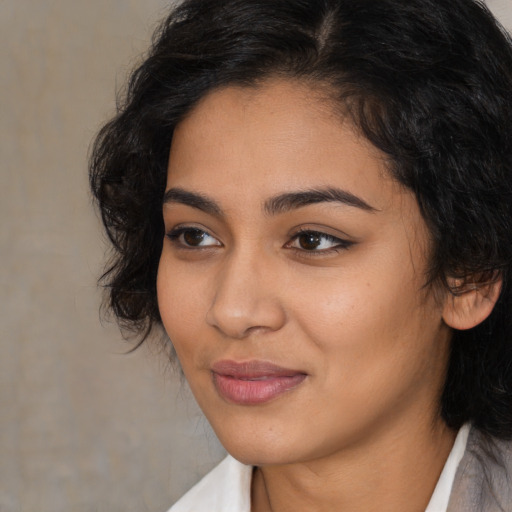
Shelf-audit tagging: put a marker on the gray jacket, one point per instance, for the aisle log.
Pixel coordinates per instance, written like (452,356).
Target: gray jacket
(483,482)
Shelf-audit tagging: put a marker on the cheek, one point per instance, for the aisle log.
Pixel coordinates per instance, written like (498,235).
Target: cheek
(378,348)
(351,310)
(365,328)
(181,301)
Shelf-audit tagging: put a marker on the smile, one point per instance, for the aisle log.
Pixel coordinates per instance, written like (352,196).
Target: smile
(253,382)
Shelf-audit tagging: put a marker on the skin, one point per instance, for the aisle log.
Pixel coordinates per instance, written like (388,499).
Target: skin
(362,431)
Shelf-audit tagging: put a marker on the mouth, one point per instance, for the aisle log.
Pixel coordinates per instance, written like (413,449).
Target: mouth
(253,382)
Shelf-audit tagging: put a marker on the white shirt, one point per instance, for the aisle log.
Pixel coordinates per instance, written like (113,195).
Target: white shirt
(227,488)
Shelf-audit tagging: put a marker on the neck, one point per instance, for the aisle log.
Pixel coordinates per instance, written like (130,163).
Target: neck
(396,471)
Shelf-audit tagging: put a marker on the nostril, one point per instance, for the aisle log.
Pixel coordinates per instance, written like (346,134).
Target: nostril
(243,318)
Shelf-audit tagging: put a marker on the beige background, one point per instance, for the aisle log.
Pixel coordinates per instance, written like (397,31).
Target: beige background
(82,427)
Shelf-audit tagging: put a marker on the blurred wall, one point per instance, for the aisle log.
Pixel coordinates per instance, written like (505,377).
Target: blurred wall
(82,427)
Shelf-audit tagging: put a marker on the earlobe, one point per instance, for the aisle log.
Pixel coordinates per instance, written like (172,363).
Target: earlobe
(471,304)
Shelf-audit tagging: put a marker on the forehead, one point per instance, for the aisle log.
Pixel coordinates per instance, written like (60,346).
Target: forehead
(243,142)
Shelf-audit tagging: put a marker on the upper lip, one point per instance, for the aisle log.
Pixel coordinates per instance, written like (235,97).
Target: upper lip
(253,369)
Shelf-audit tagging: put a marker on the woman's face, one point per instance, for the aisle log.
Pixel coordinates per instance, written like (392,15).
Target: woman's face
(291,276)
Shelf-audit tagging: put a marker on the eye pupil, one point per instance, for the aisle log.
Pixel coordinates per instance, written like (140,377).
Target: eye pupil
(193,236)
(309,241)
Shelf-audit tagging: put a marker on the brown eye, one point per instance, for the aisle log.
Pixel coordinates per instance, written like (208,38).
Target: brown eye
(309,241)
(194,237)
(318,242)
(191,238)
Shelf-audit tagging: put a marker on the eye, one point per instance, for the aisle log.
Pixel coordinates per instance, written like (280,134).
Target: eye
(192,237)
(316,241)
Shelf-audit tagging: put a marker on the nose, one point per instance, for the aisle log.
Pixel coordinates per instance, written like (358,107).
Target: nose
(246,298)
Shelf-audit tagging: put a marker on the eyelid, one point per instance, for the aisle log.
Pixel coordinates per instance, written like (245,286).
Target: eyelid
(175,233)
(342,241)
(321,228)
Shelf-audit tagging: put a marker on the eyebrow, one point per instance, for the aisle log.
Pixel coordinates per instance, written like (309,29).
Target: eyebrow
(293,200)
(193,199)
(276,205)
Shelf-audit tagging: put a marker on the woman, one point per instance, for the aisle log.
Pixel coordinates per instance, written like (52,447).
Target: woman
(314,199)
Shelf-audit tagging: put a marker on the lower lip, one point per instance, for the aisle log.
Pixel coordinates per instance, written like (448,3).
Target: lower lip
(256,391)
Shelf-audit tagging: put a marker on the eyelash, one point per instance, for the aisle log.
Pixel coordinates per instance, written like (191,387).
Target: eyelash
(175,234)
(341,244)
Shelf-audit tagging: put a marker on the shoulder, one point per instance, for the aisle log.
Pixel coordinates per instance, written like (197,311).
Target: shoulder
(227,488)
(483,482)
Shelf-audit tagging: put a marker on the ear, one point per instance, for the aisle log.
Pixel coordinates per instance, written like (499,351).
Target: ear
(471,304)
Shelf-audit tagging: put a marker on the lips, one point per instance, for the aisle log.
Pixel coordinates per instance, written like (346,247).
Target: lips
(253,382)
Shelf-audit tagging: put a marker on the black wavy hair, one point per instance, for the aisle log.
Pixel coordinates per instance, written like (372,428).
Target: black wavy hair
(428,82)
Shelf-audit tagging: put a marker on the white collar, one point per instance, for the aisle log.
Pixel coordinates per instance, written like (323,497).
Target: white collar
(441,496)
(227,488)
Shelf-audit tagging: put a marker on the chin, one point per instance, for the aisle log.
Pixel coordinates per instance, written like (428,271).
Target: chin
(262,447)
(254,445)
(257,455)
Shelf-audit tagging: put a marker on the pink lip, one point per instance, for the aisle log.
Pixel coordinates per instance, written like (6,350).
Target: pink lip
(253,382)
